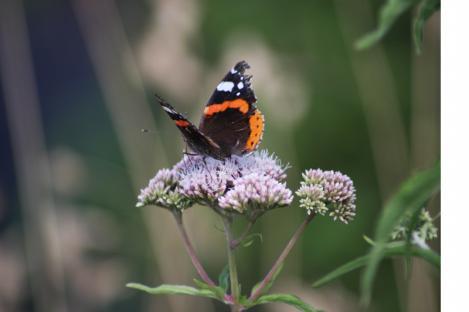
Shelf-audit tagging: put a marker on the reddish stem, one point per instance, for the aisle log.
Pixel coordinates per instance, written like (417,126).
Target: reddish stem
(282,257)
(190,249)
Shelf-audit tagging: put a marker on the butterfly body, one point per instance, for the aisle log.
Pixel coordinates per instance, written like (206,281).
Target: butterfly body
(231,123)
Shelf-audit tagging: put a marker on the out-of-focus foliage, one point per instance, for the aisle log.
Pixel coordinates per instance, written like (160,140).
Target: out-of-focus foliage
(391,11)
(390,250)
(425,9)
(95,66)
(412,196)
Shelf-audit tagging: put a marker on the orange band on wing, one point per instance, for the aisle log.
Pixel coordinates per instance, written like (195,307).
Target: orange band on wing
(256,124)
(240,104)
(182,123)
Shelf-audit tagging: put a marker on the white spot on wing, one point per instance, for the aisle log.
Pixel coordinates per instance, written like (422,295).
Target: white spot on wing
(240,85)
(226,86)
(238,93)
(169,110)
(233,71)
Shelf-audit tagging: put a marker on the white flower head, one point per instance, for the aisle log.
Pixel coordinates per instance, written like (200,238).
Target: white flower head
(328,193)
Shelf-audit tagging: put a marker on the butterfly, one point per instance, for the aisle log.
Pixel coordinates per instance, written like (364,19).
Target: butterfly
(231,123)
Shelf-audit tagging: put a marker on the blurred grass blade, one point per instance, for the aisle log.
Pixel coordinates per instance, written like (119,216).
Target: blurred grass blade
(401,249)
(388,15)
(425,10)
(411,197)
(173,290)
(287,299)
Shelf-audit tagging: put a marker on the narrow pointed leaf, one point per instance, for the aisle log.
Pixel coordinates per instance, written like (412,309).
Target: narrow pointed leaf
(287,299)
(249,240)
(400,249)
(389,13)
(173,290)
(224,278)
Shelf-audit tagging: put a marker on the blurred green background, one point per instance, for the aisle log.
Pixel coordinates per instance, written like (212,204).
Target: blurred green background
(76,88)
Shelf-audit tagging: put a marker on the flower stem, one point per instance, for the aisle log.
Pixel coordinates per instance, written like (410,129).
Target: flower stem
(282,257)
(232,265)
(190,249)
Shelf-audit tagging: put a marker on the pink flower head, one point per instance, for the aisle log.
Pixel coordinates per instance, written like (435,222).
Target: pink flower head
(163,191)
(236,183)
(256,192)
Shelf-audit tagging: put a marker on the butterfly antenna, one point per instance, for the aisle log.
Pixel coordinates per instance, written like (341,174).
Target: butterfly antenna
(163,102)
(169,109)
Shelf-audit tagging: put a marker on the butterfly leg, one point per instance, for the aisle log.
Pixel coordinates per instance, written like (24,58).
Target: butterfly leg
(186,152)
(190,154)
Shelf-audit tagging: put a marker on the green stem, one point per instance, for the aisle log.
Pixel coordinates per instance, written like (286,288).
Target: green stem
(232,265)
(281,258)
(190,249)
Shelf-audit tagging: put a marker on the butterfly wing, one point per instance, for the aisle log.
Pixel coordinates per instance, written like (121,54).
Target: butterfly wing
(193,137)
(231,118)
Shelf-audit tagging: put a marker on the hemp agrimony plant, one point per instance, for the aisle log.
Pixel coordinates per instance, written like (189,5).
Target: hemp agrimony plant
(243,187)
(402,230)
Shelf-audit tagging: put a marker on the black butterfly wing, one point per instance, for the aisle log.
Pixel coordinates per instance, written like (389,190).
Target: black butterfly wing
(194,138)
(230,117)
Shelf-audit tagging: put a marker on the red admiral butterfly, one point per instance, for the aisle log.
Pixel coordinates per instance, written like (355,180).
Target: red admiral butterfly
(231,123)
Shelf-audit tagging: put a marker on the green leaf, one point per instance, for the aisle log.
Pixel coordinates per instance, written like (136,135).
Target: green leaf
(392,250)
(245,302)
(425,10)
(216,290)
(249,240)
(288,299)
(368,240)
(269,285)
(173,290)
(411,197)
(224,278)
(387,16)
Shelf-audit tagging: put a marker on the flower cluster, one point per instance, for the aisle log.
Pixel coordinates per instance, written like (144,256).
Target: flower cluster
(163,191)
(250,185)
(422,229)
(256,193)
(238,183)
(328,192)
